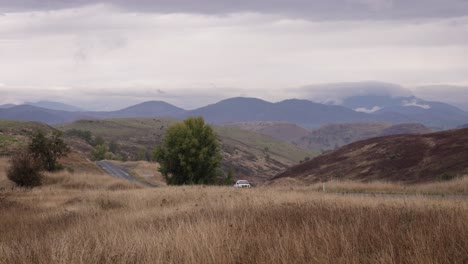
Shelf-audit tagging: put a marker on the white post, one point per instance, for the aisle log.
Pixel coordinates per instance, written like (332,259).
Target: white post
(323,187)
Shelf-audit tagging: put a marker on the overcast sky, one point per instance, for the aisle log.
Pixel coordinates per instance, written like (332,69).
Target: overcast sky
(109,54)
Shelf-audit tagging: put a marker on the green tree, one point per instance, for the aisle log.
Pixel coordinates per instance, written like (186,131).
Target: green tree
(190,153)
(99,152)
(48,149)
(114,147)
(98,141)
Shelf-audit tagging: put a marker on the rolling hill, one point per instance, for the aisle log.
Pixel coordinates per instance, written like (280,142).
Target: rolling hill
(145,109)
(280,130)
(302,112)
(15,134)
(333,136)
(6,105)
(38,114)
(55,106)
(253,156)
(400,158)
(50,116)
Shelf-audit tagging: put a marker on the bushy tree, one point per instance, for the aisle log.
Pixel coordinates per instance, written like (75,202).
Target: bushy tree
(25,169)
(114,147)
(48,149)
(190,153)
(98,141)
(83,134)
(99,152)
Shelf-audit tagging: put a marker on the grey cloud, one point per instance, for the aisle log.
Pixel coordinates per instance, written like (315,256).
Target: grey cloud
(453,94)
(320,10)
(334,93)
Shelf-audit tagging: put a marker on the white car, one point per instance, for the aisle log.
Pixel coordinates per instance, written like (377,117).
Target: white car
(242,184)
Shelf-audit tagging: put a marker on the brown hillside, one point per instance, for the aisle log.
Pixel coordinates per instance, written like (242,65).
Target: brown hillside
(403,158)
(402,129)
(333,136)
(280,130)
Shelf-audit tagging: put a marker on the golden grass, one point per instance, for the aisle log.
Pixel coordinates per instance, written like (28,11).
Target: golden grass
(458,186)
(90,223)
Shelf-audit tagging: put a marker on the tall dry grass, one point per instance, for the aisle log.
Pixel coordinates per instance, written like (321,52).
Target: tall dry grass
(59,224)
(457,186)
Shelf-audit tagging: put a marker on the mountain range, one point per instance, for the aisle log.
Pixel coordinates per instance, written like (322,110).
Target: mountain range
(438,116)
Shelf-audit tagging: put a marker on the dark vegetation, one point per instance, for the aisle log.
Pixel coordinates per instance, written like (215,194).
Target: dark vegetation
(48,149)
(25,170)
(42,154)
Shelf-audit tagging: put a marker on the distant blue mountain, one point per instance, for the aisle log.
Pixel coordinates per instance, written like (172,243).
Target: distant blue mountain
(6,105)
(301,112)
(145,109)
(49,116)
(55,106)
(388,109)
(43,115)
(408,109)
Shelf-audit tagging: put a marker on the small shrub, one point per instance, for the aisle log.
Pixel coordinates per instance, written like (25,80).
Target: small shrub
(106,203)
(25,170)
(393,156)
(447,176)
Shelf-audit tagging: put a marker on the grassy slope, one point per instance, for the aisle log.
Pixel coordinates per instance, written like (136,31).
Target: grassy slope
(14,134)
(85,218)
(245,151)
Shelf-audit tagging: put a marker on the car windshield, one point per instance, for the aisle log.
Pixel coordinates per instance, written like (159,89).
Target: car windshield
(243,182)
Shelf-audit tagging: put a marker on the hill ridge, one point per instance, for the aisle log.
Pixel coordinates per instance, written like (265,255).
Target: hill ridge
(403,158)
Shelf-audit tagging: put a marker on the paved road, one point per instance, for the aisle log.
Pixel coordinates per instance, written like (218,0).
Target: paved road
(116,171)
(120,173)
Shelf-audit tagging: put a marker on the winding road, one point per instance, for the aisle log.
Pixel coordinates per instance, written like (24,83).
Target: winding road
(116,171)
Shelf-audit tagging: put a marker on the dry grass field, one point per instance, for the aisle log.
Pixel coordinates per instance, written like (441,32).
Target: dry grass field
(83,218)
(457,186)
